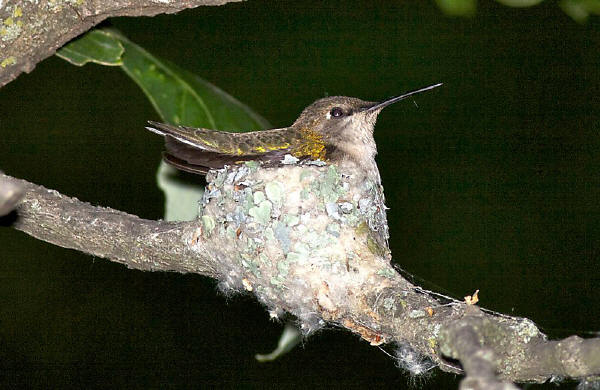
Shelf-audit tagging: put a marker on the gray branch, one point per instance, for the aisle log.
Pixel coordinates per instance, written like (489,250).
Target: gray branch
(256,234)
(31,31)
(103,232)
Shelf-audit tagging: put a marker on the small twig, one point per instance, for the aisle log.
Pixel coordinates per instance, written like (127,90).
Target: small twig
(479,362)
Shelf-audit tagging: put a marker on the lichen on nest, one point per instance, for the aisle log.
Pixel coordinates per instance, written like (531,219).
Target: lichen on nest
(305,239)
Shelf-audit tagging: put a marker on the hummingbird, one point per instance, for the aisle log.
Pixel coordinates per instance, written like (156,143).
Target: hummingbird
(336,130)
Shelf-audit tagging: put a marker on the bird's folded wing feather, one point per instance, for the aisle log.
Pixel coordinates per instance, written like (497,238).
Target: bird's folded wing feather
(234,144)
(197,150)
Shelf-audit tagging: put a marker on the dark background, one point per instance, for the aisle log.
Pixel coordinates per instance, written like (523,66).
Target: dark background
(492,182)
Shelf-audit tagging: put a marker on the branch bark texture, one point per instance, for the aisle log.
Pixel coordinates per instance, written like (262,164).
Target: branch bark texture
(31,31)
(259,232)
(127,239)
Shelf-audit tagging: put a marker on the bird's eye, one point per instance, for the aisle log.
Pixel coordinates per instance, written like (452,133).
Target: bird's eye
(336,112)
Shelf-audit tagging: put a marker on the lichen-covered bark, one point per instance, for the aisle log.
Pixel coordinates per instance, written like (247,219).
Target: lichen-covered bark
(31,31)
(104,232)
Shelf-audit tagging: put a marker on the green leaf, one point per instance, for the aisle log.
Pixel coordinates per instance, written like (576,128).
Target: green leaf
(580,10)
(182,197)
(290,337)
(96,46)
(178,96)
(520,3)
(458,7)
(181,97)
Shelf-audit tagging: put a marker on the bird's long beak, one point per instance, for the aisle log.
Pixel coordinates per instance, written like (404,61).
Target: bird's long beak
(385,103)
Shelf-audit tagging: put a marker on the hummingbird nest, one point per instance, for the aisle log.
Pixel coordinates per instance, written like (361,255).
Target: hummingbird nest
(305,239)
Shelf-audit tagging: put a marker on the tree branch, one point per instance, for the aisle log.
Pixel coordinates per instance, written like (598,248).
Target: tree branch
(300,239)
(31,31)
(138,243)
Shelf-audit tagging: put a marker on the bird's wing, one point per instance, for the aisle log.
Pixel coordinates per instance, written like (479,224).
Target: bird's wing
(197,150)
(234,144)
(197,138)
